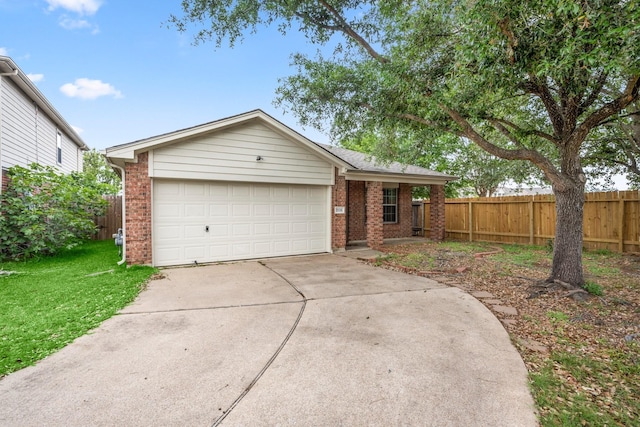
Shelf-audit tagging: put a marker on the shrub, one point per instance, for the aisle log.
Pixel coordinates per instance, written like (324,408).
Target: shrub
(44,211)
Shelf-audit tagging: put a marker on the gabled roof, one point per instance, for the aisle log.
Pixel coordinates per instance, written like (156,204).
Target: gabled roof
(353,165)
(9,69)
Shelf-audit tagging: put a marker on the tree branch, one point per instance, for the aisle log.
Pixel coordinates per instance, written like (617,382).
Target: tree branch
(629,95)
(588,101)
(535,87)
(506,132)
(535,132)
(551,172)
(344,27)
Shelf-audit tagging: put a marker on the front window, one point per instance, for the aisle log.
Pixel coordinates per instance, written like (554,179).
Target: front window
(390,205)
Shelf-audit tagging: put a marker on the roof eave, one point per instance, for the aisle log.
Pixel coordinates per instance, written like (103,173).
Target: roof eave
(25,84)
(413,179)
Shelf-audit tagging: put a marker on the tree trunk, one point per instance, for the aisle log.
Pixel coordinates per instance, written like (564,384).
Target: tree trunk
(567,248)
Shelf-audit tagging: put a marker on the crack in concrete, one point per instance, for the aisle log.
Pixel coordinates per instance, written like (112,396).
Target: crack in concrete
(273,357)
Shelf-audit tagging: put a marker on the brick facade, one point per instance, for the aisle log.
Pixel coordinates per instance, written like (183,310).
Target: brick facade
(402,228)
(375,230)
(362,201)
(357,211)
(138,209)
(339,221)
(357,217)
(437,213)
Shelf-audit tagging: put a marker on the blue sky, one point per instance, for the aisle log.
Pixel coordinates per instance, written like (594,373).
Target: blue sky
(117,74)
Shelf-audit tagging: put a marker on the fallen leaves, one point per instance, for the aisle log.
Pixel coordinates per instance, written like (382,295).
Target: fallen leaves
(591,342)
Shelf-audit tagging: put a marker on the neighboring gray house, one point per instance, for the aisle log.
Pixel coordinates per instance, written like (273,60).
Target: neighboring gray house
(31,130)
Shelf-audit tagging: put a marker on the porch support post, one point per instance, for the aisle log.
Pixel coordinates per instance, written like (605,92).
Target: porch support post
(437,212)
(375,231)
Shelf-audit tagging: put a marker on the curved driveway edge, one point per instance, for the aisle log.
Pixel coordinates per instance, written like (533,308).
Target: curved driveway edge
(372,347)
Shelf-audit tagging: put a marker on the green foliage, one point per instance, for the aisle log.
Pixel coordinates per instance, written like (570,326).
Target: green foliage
(96,169)
(44,211)
(594,289)
(49,302)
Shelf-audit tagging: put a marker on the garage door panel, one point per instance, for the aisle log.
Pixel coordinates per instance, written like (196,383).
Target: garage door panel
(262,229)
(219,231)
(195,210)
(262,248)
(281,228)
(282,247)
(220,252)
(241,191)
(218,210)
(170,233)
(299,228)
(262,209)
(168,210)
(196,253)
(245,221)
(241,249)
(194,231)
(196,190)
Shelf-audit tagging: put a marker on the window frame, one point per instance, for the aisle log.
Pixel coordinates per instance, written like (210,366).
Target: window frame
(385,205)
(58,147)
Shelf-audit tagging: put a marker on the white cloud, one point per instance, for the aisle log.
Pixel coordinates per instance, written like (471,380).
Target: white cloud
(73,24)
(77,129)
(4,51)
(35,78)
(89,89)
(82,7)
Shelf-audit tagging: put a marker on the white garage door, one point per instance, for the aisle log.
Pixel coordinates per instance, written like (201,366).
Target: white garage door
(220,221)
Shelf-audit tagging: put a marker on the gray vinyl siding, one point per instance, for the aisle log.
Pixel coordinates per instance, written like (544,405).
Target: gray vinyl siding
(230,155)
(28,135)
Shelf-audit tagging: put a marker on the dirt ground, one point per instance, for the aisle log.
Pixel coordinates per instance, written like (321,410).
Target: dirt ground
(585,344)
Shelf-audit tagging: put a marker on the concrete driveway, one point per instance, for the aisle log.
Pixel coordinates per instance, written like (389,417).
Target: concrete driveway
(310,341)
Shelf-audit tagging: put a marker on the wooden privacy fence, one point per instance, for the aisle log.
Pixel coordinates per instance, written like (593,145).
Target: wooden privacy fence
(109,223)
(611,220)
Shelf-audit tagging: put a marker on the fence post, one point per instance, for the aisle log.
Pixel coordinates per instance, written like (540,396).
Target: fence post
(621,222)
(531,221)
(471,221)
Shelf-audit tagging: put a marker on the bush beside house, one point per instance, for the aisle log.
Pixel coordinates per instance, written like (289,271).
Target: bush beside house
(44,211)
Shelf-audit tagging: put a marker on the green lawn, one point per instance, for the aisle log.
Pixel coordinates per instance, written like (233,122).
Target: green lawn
(47,303)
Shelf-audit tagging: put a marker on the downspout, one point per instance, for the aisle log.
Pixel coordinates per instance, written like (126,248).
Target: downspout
(124,212)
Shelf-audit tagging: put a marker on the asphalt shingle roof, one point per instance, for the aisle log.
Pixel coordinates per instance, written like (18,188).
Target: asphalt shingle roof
(367,163)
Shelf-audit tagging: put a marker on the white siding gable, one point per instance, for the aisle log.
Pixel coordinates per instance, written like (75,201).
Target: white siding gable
(28,135)
(231,155)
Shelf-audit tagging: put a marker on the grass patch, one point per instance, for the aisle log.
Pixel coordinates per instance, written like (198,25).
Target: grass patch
(522,255)
(594,289)
(48,303)
(465,247)
(560,391)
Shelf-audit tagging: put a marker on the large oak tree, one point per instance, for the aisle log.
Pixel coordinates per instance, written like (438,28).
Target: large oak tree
(522,79)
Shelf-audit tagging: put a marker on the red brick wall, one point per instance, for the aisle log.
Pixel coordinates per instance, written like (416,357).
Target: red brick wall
(5,180)
(138,208)
(436,196)
(338,221)
(357,209)
(375,231)
(403,228)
